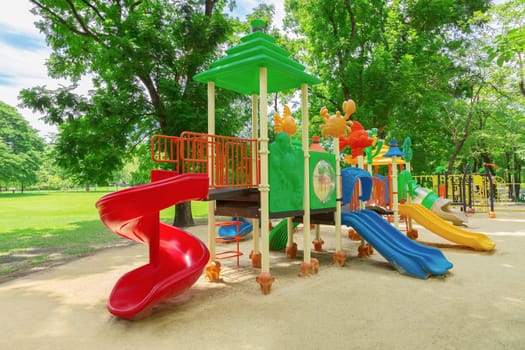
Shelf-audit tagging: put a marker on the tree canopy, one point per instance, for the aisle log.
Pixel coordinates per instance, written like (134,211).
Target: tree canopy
(141,57)
(414,68)
(510,43)
(20,149)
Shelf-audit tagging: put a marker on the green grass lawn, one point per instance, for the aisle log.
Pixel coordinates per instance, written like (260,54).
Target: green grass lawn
(41,227)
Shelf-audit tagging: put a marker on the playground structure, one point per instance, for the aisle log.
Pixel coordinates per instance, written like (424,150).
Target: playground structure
(383,197)
(258,180)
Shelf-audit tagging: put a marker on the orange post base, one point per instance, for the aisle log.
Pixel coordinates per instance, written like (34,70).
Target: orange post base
(318,245)
(265,279)
(412,233)
(339,258)
(307,270)
(364,251)
(256,259)
(291,252)
(213,271)
(353,235)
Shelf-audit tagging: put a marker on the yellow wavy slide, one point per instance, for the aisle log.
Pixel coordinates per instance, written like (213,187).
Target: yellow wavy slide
(432,222)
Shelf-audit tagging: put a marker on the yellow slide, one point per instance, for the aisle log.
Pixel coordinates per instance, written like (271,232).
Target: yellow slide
(432,222)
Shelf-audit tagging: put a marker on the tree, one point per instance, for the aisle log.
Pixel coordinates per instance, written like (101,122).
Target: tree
(20,149)
(498,135)
(141,57)
(392,57)
(51,176)
(509,45)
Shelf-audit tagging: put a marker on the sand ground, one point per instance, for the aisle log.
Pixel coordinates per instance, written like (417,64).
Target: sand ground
(479,304)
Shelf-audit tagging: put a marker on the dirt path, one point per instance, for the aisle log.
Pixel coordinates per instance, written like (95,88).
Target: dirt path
(366,304)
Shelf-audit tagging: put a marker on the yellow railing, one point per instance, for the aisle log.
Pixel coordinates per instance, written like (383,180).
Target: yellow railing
(476,189)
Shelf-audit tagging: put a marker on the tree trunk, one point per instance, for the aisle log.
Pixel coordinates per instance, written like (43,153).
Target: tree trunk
(466,131)
(459,146)
(509,172)
(517,175)
(183,215)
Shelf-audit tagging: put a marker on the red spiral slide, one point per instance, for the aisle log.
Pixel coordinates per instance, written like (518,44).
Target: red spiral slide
(177,258)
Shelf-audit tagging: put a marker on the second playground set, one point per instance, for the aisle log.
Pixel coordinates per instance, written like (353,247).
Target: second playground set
(291,179)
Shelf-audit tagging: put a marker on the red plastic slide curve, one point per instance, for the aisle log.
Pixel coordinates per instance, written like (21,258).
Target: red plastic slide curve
(177,258)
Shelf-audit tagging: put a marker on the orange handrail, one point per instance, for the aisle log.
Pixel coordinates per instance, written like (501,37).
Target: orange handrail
(229,161)
(165,149)
(379,194)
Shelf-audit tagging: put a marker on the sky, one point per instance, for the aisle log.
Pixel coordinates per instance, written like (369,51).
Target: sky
(23,52)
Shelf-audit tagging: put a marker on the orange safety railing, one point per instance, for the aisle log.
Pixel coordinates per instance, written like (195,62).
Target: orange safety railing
(377,197)
(165,149)
(355,202)
(379,194)
(233,162)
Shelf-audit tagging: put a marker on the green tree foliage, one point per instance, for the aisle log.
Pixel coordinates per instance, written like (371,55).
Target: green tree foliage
(20,149)
(393,58)
(50,175)
(141,57)
(509,46)
(499,122)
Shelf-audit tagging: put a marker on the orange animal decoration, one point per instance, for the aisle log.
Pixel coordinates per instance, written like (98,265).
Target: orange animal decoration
(286,123)
(337,125)
(358,140)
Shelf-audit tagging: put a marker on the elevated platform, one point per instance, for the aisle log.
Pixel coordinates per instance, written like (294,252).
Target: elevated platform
(319,217)
(246,203)
(231,201)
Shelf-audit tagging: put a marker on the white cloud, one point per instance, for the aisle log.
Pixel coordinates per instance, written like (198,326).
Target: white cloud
(23,68)
(16,15)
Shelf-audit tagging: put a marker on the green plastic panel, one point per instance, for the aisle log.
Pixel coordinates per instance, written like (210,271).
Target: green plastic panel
(323,179)
(286,175)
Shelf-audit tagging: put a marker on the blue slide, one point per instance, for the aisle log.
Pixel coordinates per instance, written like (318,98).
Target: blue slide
(404,254)
(229,232)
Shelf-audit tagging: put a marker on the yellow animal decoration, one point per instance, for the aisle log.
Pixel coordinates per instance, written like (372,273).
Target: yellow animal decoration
(286,123)
(337,125)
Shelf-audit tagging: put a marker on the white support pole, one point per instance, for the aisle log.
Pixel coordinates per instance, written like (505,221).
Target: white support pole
(317,232)
(338,191)
(289,227)
(306,197)
(394,192)
(211,204)
(409,197)
(360,165)
(264,187)
(255,135)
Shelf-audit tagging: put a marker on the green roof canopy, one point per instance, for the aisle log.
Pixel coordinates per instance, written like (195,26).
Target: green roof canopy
(239,70)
